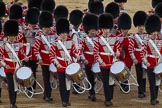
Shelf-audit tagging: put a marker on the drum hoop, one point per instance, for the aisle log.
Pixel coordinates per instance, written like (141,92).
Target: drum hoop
(4,74)
(76,71)
(156,67)
(122,70)
(28,77)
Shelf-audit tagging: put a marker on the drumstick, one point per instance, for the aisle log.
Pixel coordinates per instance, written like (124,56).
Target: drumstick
(26,57)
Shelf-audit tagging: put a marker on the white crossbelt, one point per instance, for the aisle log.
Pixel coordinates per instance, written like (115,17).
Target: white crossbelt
(90,53)
(44,51)
(138,49)
(153,56)
(10,60)
(103,53)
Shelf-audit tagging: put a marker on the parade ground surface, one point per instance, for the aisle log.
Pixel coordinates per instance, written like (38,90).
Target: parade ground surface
(120,100)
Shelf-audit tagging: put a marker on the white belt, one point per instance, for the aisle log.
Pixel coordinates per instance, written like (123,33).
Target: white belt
(91,53)
(138,49)
(10,60)
(102,53)
(153,56)
(43,51)
(63,59)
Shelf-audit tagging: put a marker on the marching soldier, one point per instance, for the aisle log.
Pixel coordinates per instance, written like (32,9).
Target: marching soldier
(96,7)
(10,52)
(113,9)
(104,56)
(121,3)
(60,58)
(75,19)
(121,47)
(42,46)
(29,32)
(90,25)
(138,53)
(153,55)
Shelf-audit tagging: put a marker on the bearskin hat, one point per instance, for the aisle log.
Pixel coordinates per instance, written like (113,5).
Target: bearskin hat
(106,21)
(61,12)
(96,7)
(158,9)
(11,28)
(155,2)
(119,1)
(15,12)
(113,9)
(45,19)
(139,18)
(75,17)
(48,5)
(153,24)
(124,21)
(32,15)
(34,3)
(62,26)
(90,21)
(2,9)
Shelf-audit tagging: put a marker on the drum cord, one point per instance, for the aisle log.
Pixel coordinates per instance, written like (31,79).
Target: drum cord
(54,83)
(84,86)
(128,84)
(40,87)
(125,84)
(80,92)
(99,82)
(24,90)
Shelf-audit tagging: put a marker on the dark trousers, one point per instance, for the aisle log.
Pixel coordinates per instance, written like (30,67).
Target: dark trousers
(64,93)
(46,80)
(108,89)
(152,83)
(91,78)
(141,81)
(11,89)
(33,65)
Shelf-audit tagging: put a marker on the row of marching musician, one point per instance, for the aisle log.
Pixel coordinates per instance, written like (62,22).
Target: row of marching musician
(98,40)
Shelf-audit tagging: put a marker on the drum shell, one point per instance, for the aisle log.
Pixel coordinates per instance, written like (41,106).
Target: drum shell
(77,77)
(122,76)
(28,82)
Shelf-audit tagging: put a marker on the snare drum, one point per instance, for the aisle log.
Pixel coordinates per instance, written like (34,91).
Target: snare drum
(74,72)
(118,69)
(2,73)
(25,77)
(96,68)
(53,70)
(158,70)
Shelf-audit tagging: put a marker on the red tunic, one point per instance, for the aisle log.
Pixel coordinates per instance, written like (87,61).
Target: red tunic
(102,53)
(88,49)
(123,46)
(41,49)
(152,56)
(29,34)
(138,50)
(58,55)
(7,56)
